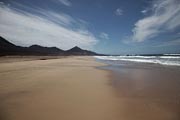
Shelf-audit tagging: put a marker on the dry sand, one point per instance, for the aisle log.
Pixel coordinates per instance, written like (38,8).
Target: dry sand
(56,89)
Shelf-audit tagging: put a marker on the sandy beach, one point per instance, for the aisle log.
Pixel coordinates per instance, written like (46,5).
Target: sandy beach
(58,89)
(80,88)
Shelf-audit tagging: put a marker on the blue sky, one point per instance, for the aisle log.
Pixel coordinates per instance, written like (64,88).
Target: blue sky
(104,26)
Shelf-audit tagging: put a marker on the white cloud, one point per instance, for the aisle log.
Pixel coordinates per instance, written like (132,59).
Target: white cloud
(119,12)
(59,18)
(54,29)
(165,17)
(104,36)
(65,2)
(144,11)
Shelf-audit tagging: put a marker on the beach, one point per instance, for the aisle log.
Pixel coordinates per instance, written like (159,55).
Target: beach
(89,59)
(82,88)
(68,88)
(146,91)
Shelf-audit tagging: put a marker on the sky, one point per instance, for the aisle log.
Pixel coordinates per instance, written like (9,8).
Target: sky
(103,26)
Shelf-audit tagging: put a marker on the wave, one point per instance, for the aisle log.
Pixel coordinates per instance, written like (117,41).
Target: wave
(172,54)
(163,60)
(169,57)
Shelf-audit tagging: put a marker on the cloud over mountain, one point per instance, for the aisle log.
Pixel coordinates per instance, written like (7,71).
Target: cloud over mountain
(43,27)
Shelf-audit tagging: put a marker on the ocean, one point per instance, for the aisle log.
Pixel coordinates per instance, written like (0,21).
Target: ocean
(164,59)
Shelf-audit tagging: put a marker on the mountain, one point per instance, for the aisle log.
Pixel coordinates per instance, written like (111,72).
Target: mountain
(5,43)
(45,50)
(78,51)
(7,48)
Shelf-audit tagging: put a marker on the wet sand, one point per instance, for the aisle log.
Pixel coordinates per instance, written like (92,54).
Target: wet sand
(56,89)
(147,91)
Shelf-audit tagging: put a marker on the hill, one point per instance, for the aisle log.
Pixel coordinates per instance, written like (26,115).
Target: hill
(8,48)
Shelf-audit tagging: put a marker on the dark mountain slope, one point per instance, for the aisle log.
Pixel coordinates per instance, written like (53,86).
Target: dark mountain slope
(7,48)
(78,51)
(5,43)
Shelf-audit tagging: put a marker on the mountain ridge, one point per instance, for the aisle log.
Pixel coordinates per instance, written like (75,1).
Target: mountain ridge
(8,48)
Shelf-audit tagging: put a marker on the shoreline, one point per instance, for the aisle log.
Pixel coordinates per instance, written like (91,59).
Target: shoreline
(146,92)
(68,88)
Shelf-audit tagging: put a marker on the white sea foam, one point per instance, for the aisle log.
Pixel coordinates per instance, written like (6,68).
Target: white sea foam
(169,57)
(173,54)
(163,60)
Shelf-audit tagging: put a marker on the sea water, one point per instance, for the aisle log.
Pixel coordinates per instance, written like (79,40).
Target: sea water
(164,59)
